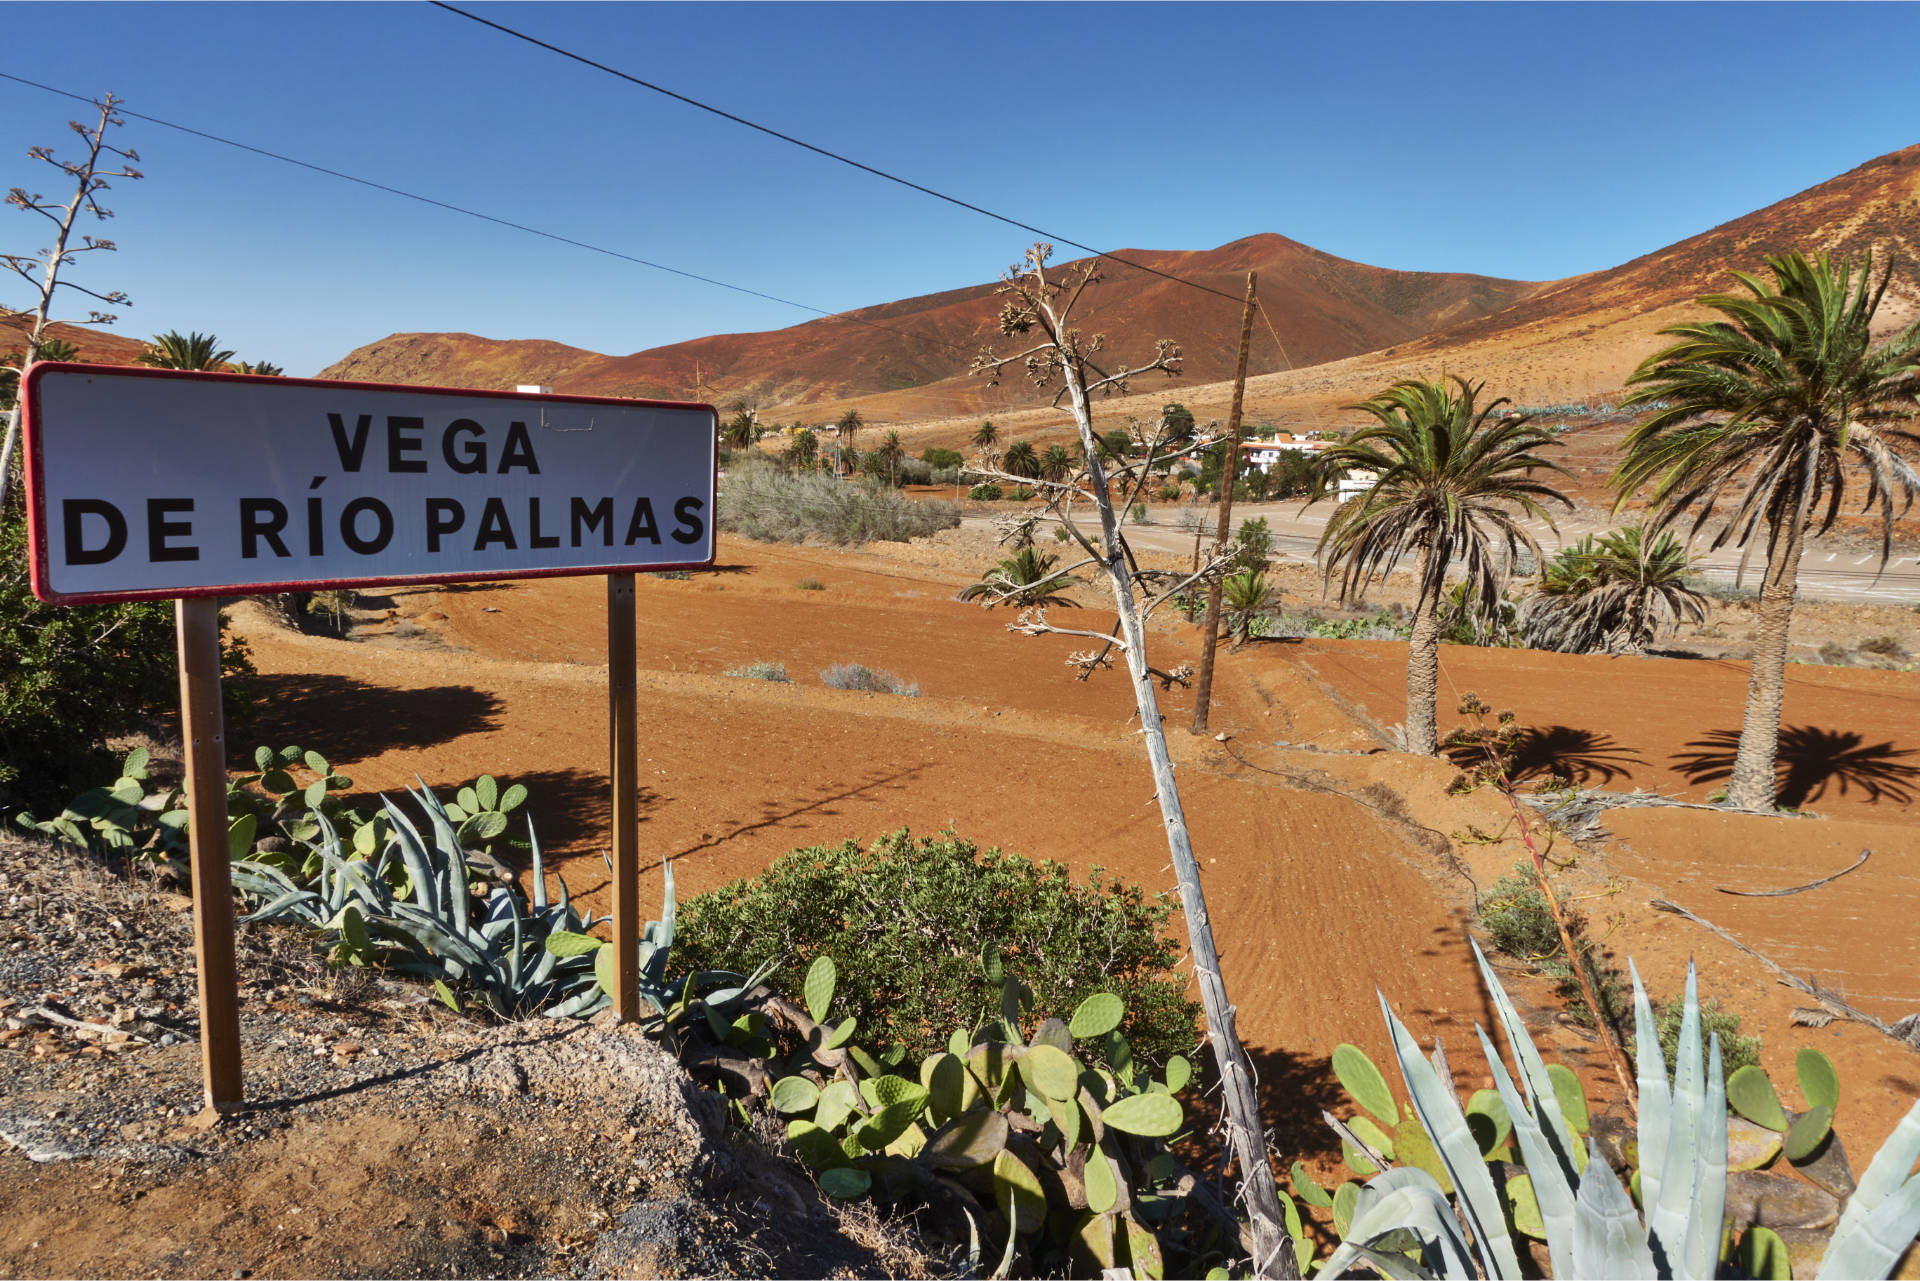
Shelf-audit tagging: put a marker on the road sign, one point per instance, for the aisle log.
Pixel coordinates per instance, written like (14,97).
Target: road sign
(148,484)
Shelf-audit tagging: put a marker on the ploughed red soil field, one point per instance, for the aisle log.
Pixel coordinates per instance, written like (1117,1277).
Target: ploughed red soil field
(1335,868)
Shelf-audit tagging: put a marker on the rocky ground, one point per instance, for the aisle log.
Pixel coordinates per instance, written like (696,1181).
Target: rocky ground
(385,1135)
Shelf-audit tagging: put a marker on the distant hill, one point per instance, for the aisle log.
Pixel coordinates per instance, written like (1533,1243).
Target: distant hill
(95,345)
(1322,308)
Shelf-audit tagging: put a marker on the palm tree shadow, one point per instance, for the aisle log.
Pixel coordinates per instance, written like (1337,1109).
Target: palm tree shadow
(1582,755)
(1810,761)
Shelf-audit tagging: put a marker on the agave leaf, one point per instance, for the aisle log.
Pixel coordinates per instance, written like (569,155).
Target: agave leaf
(1405,1199)
(1608,1240)
(1553,1192)
(413,852)
(1710,1173)
(1439,1111)
(1534,1082)
(1670,1207)
(1656,1093)
(1883,1215)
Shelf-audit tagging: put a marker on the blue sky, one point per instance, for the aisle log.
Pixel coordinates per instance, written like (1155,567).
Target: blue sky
(1514,140)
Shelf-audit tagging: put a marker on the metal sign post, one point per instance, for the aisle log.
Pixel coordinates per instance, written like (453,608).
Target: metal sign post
(147,484)
(623,765)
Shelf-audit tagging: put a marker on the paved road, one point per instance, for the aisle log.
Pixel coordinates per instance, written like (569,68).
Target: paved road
(1827,572)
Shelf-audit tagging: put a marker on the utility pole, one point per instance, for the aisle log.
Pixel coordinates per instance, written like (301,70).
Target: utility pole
(1229,470)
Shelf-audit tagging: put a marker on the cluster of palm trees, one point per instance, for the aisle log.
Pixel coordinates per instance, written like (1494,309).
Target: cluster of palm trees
(1763,418)
(173,350)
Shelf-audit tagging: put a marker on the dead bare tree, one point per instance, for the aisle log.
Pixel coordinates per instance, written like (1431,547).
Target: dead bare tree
(42,270)
(1036,301)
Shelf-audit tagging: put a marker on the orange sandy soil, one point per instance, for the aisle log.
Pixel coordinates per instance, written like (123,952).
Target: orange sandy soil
(1329,869)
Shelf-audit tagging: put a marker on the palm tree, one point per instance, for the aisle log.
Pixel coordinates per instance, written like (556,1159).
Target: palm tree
(1773,410)
(1245,596)
(891,451)
(1017,580)
(803,448)
(1021,460)
(1057,464)
(1453,479)
(58,349)
(847,430)
(172,350)
(1616,594)
(740,431)
(265,369)
(985,438)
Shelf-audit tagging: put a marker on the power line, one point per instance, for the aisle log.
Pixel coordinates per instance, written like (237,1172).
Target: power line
(830,155)
(501,222)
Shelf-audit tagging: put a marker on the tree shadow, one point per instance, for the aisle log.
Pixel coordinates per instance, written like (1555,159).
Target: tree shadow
(1583,755)
(348,720)
(1810,761)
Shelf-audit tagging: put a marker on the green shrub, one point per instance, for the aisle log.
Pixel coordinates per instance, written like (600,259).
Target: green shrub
(1252,544)
(1022,493)
(73,675)
(906,920)
(776,672)
(985,493)
(1736,1051)
(1139,515)
(941,459)
(1519,922)
(811,585)
(759,500)
(870,680)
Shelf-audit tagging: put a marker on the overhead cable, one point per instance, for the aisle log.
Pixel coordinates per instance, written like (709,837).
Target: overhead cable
(830,155)
(497,221)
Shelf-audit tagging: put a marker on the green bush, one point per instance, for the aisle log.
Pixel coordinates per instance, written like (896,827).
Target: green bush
(940,459)
(1736,1051)
(73,675)
(1518,920)
(906,922)
(759,500)
(985,493)
(1252,545)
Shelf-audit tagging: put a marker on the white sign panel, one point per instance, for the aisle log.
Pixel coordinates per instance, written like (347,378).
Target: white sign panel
(160,483)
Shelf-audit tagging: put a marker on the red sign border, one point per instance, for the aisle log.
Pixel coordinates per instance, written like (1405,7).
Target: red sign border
(36,487)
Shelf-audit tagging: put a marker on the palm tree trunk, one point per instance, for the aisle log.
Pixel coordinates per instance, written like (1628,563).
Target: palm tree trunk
(1754,764)
(1273,1254)
(1423,670)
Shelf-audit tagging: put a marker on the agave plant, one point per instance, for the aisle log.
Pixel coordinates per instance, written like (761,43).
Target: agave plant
(1615,594)
(1590,1224)
(412,909)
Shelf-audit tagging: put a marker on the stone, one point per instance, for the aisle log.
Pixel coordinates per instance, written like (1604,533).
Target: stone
(1779,1201)
(1829,1168)
(1750,1146)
